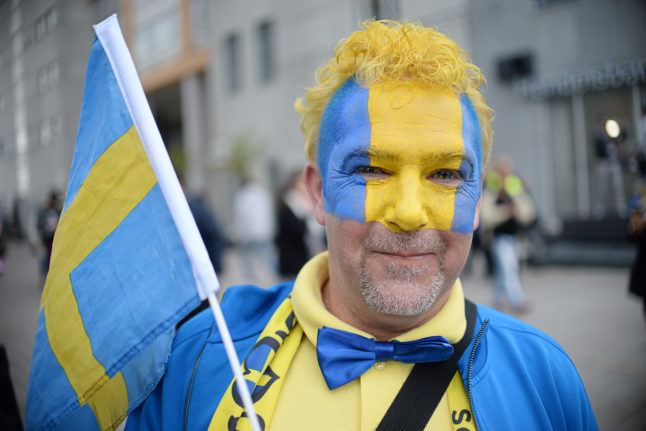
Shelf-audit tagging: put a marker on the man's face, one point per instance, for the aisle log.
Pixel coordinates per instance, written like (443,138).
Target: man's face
(400,179)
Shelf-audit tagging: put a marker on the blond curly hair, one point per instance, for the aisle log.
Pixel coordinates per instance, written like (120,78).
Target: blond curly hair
(389,51)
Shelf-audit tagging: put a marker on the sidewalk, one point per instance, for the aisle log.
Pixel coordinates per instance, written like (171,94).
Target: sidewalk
(586,310)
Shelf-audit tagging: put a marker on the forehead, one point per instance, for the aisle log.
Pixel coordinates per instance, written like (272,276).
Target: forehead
(411,119)
(402,128)
(359,118)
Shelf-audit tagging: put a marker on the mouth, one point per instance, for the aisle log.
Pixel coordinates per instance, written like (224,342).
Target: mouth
(402,254)
(417,248)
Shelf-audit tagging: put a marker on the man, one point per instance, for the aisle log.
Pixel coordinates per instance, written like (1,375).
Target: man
(507,212)
(46,224)
(397,137)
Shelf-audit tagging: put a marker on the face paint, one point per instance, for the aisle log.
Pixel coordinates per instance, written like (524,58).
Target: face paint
(406,157)
(466,199)
(344,139)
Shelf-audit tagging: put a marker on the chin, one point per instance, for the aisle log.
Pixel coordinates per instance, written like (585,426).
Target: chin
(402,298)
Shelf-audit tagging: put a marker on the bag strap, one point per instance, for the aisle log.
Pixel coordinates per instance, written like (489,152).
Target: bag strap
(426,384)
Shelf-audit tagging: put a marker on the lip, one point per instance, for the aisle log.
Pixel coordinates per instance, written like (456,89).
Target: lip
(404,254)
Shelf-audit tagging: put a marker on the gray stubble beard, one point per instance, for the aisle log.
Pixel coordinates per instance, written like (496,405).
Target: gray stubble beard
(405,293)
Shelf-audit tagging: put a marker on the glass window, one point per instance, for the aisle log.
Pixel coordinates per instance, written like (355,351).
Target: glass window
(53,73)
(157,36)
(46,23)
(56,124)
(42,79)
(19,90)
(48,76)
(232,62)
(266,48)
(41,28)
(563,162)
(384,9)
(45,132)
(199,22)
(32,135)
(17,44)
(51,18)
(542,4)
(611,138)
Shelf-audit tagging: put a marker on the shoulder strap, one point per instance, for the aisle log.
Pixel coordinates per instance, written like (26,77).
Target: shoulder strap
(417,399)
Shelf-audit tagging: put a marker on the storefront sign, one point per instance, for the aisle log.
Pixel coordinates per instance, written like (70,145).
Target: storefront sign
(577,81)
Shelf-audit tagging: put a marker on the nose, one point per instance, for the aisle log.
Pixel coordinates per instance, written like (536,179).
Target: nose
(406,210)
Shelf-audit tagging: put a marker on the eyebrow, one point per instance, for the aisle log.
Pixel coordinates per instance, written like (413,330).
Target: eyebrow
(375,153)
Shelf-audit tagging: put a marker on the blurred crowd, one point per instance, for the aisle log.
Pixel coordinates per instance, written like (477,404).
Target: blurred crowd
(273,235)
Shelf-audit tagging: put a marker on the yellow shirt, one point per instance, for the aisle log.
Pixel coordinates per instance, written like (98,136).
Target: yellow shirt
(306,403)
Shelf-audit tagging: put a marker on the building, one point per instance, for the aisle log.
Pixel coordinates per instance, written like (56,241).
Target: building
(222,76)
(569,66)
(44,49)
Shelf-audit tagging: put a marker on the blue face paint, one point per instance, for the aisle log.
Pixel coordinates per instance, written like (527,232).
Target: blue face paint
(344,139)
(347,134)
(468,194)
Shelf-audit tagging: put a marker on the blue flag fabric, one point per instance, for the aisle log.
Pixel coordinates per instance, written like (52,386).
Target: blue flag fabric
(127,261)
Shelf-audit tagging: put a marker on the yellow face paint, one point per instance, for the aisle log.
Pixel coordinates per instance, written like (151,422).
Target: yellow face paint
(416,153)
(404,155)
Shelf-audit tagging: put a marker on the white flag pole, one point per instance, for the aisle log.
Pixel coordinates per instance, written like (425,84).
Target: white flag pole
(243,390)
(109,32)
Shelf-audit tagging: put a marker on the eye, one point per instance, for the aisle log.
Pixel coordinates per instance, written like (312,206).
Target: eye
(373,172)
(446,177)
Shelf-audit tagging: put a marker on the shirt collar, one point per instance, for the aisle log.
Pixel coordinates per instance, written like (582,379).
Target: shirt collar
(307,300)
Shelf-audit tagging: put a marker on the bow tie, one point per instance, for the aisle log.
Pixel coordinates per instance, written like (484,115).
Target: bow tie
(344,356)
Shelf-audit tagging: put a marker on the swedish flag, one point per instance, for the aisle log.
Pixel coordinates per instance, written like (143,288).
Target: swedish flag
(127,261)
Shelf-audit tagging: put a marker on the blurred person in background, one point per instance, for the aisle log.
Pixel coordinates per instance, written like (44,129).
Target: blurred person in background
(609,143)
(214,241)
(637,230)
(507,211)
(209,228)
(254,224)
(46,224)
(299,236)
(10,419)
(3,245)
(4,231)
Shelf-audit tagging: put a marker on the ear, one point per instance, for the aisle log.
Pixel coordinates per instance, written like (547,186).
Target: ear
(476,216)
(314,186)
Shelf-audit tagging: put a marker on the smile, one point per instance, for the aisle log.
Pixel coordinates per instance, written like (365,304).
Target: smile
(404,254)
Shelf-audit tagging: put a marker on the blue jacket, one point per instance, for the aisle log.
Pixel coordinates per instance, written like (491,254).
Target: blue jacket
(516,377)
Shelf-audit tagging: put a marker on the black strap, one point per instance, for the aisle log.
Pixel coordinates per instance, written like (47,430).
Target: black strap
(423,389)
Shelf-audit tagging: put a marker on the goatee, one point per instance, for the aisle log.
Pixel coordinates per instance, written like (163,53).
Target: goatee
(405,290)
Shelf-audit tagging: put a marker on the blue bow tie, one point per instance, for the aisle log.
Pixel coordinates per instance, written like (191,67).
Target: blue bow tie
(344,356)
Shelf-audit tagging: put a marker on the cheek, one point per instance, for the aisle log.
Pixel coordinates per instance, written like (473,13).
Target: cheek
(468,195)
(344,191)
(457,252)
(466,204)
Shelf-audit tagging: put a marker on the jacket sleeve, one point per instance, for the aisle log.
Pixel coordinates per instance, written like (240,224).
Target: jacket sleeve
(525,211)
(148,415)
(521,379)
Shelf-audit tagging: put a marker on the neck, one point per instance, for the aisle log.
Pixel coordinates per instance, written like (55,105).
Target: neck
(381,326)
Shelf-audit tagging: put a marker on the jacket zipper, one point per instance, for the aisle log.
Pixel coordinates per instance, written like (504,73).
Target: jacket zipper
(471,358)
(192,381)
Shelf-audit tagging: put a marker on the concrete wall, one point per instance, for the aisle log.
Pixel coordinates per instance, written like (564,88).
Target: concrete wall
(568,35)
(39,123)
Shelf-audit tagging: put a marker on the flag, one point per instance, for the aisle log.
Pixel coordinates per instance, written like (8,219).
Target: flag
(127,263)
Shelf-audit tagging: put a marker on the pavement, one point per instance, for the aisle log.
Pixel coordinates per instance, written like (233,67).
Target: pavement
(586,309)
